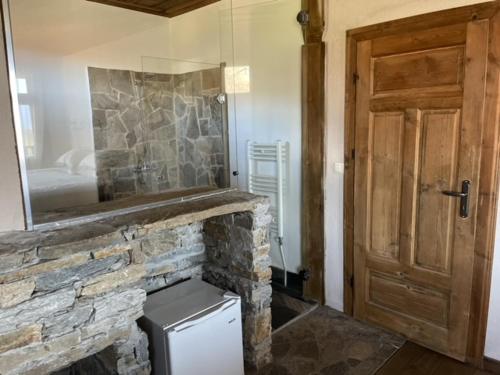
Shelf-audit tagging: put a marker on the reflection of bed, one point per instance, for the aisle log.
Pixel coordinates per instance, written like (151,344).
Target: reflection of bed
(54,188)
(64,186)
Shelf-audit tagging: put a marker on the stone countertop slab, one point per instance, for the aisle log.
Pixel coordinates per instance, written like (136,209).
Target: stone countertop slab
(20,244)
(41,218)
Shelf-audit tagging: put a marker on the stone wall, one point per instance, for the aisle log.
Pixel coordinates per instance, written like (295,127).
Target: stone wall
(76,293)
(155,132)
(238,259)
(201,129)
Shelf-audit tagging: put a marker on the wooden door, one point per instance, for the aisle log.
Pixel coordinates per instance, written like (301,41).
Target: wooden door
(419,106)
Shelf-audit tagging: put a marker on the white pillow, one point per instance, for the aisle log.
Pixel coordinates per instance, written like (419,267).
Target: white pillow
(71,159)
(86,167)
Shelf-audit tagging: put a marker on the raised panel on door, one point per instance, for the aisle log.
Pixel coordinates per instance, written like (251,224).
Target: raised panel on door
(409,299)
(436,212)
(436,37)
(418,70)
(385,174)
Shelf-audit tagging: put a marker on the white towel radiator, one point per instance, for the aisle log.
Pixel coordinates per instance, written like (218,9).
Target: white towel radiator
(267,174)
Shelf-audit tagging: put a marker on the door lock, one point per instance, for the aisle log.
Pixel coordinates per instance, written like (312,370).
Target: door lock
(464,197)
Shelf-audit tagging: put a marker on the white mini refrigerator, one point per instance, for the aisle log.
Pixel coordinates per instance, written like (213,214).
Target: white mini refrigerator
(194,328)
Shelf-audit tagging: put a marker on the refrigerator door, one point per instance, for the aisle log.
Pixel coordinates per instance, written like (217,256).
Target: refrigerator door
(209,344)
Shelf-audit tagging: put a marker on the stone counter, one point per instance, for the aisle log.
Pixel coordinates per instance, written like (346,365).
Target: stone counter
(76,292)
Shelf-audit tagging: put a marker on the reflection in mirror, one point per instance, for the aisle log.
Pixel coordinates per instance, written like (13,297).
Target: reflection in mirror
(156,131)
(117,104)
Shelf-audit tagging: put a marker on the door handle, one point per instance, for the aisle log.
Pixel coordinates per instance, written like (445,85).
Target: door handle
(464,197)
(456,194)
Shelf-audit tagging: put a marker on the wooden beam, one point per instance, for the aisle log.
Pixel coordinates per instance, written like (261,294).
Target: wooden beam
(313,156)
(313,150)
(313,32)
(165,8)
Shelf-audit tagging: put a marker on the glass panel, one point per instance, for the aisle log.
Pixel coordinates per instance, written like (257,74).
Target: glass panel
(186,120)
(102,121)
(28,133)
(267,92)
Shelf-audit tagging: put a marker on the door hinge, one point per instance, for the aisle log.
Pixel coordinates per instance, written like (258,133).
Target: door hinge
(351,281)
(355,78)
(353,154)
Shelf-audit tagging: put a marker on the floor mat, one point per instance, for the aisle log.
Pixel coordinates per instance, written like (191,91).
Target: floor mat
(325,342)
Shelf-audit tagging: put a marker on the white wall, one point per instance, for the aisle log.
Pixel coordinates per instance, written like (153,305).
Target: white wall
(493,333)
(11,203)
(268,40)
(342,16)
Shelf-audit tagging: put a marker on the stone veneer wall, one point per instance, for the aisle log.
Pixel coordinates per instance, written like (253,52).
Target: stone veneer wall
(238,260)
(171,124)
(66,297)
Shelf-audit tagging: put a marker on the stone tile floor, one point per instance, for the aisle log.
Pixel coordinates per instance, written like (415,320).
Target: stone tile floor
(285,310)
(327,342)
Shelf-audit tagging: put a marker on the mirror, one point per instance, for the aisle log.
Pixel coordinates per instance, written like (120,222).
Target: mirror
(116,104)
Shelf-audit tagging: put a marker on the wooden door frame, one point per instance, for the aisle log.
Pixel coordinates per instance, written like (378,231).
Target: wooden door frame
(489,164)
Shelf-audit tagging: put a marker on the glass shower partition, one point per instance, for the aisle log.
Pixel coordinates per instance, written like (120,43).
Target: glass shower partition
(267,96)
(184,118)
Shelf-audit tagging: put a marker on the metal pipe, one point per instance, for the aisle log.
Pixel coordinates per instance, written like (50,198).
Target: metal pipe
(280,211)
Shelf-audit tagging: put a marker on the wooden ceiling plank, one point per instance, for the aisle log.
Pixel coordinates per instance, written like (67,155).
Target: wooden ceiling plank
(164,8)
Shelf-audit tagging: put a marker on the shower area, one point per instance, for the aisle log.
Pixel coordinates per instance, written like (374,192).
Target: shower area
(156,131)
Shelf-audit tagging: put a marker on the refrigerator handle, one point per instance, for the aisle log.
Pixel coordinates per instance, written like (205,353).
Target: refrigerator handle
(205,316)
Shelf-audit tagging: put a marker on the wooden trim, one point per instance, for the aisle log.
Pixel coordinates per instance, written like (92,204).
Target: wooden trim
(427,21)
(487,204)
(490,158)
(313,150)
(350,117)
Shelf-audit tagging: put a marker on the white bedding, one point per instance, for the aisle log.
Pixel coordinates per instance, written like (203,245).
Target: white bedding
(53,188)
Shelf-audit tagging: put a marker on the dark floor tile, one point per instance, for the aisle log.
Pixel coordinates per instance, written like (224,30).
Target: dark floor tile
(285,308)
(339,368)
(326,342)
